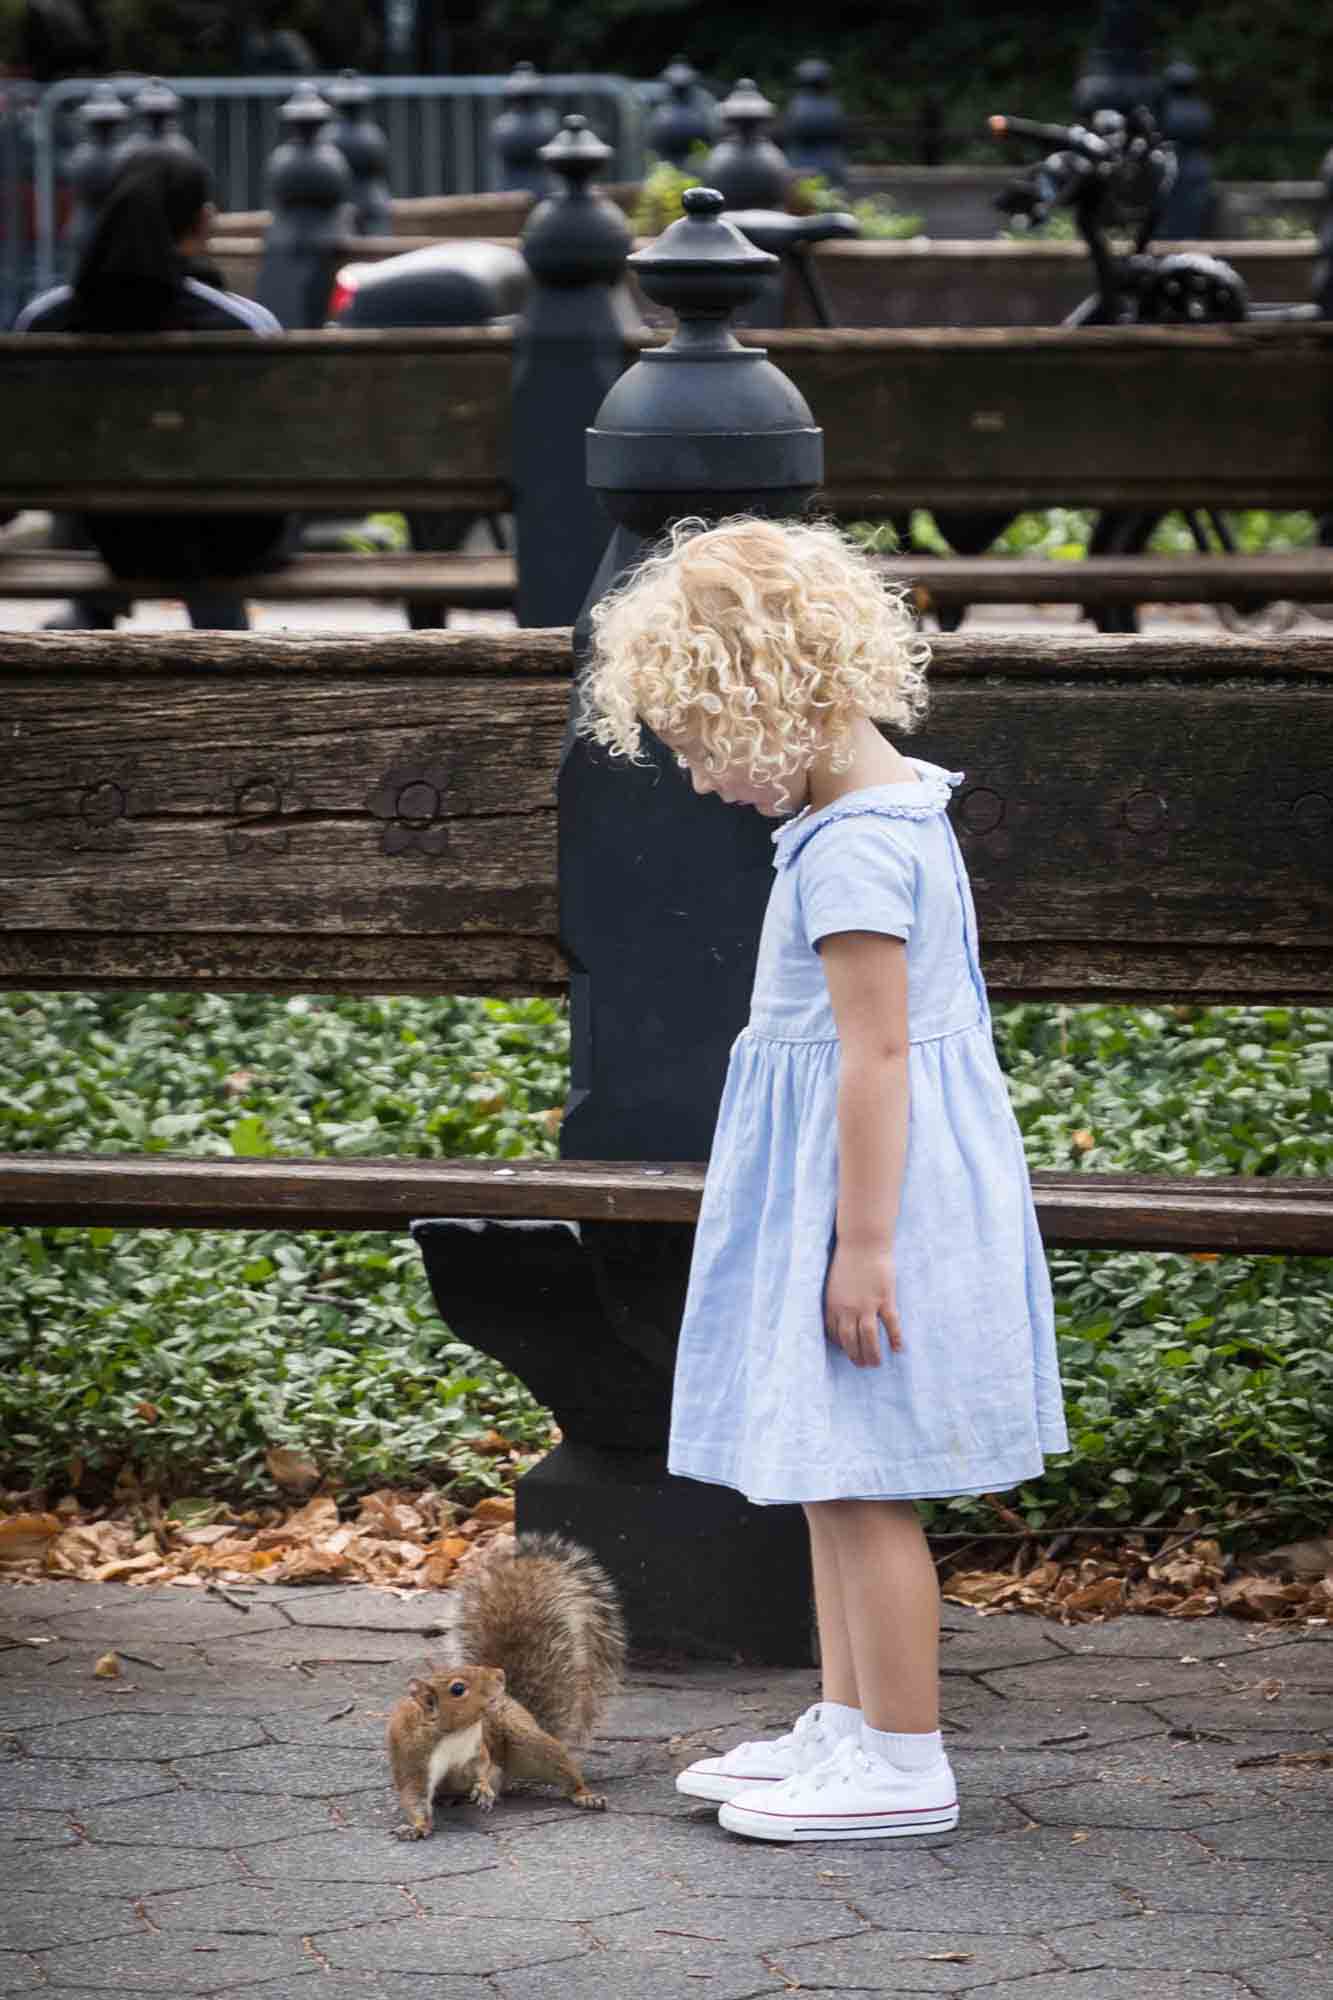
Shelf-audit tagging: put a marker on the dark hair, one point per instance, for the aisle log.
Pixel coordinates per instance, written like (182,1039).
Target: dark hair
(131,268)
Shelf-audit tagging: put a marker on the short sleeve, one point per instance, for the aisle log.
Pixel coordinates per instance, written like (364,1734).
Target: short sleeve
(855,875)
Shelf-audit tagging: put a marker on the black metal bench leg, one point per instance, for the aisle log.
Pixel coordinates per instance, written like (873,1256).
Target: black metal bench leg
(587,1318)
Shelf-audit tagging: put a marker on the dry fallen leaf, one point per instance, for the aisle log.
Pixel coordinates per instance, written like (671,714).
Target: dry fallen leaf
(495,1507)
(291,1470)
(107,1668)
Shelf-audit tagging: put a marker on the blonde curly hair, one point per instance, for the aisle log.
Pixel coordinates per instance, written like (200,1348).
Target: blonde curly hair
(762,641)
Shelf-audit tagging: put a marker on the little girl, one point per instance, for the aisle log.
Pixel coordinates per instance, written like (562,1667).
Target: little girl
(869,1319)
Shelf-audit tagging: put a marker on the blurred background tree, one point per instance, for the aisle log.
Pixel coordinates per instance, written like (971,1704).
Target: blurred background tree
(919,79)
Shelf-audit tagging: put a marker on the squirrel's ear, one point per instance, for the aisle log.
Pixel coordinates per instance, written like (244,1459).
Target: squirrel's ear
(423,1694)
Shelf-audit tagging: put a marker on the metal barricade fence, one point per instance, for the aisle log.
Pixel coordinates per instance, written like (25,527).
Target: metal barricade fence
(438,129)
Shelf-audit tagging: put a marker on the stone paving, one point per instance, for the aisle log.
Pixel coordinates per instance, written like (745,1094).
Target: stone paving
(218,1820)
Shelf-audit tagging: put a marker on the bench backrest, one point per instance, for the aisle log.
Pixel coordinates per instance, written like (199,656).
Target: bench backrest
(1141,819)
(224,420)
(998,417)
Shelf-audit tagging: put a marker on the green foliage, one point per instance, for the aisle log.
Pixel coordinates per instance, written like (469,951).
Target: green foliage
(878,215)
(235,1341)
(1059,532)
(1193,1382)
(1280,228)
(1059,227)
(1254,531)
(1064,533)
(659,203)
(1190,1381)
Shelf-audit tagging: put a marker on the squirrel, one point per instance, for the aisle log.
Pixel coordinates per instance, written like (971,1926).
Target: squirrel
(549,1616)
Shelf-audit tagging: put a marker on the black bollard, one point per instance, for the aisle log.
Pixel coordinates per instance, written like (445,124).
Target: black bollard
(366,150)
(1187,121)
(526,124)
(572,344)
(95,160)
(746,168)
(814,132)
(309,190)
(158,110)
(1119,75)
(661,898)
(685,117)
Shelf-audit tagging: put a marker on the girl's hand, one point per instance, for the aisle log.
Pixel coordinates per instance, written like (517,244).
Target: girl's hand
(860,1293)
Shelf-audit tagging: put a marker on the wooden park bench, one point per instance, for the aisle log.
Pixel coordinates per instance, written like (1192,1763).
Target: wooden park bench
(1143,821)
(322,421)
(1123,418)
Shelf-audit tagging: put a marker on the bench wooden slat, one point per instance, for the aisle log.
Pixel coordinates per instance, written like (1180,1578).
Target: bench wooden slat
(1022,417)
(1091,1210)
(490,582)
(224,421)
(1010,417)
(1141,819)
(481,583)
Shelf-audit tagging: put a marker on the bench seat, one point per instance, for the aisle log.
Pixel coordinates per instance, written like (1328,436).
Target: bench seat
(478,583)
(489,583)
(1088,1210)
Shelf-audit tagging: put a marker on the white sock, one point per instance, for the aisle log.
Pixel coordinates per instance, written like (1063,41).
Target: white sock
(840,1719)
(907,1753)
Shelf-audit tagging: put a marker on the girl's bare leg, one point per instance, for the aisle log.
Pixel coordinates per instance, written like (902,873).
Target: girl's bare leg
(837,1672)
(888,1605)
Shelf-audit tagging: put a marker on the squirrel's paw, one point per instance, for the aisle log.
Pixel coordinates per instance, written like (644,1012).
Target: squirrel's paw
(417,1829)
(590,1801)
(482,1795)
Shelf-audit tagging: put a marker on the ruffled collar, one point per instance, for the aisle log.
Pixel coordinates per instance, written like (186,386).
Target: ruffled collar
(919,799)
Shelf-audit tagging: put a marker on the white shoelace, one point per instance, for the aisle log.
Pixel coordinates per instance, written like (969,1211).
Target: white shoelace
(811,1725)
(848,1756)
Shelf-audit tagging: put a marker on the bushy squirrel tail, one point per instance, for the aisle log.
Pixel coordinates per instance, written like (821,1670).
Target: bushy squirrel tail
(549,1614)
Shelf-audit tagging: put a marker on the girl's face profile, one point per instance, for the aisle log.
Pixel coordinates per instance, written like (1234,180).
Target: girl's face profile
(735,787)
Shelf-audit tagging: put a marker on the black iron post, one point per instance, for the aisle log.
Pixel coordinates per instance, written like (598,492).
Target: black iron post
(158,110)
(526,124)
(573,342)
(814,132)
(1119,74)
(366,150)
(95,160)
(701,426)
(309,188)
(1187,121)
(746,168)
(661,898)
(684,118)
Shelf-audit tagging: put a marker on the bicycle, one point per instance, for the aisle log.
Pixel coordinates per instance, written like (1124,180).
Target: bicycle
(1113,176)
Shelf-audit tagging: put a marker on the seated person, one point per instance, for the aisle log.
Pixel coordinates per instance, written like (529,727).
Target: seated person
(135,276)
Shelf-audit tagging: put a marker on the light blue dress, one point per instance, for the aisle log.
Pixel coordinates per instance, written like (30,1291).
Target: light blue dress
(763,1401)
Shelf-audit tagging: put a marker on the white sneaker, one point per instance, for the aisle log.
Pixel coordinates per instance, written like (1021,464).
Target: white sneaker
(810,1742)
(851,1796)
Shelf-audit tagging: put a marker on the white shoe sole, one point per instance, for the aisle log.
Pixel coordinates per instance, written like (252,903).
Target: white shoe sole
(759,1825)
(715,1786)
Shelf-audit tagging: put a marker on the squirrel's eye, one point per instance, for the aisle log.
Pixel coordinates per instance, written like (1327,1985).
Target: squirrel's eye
(457,1687)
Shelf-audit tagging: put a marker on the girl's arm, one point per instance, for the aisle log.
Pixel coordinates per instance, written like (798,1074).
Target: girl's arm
(866,974)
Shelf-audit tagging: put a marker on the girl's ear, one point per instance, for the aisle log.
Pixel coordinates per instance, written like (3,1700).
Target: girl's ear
(423,1694)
